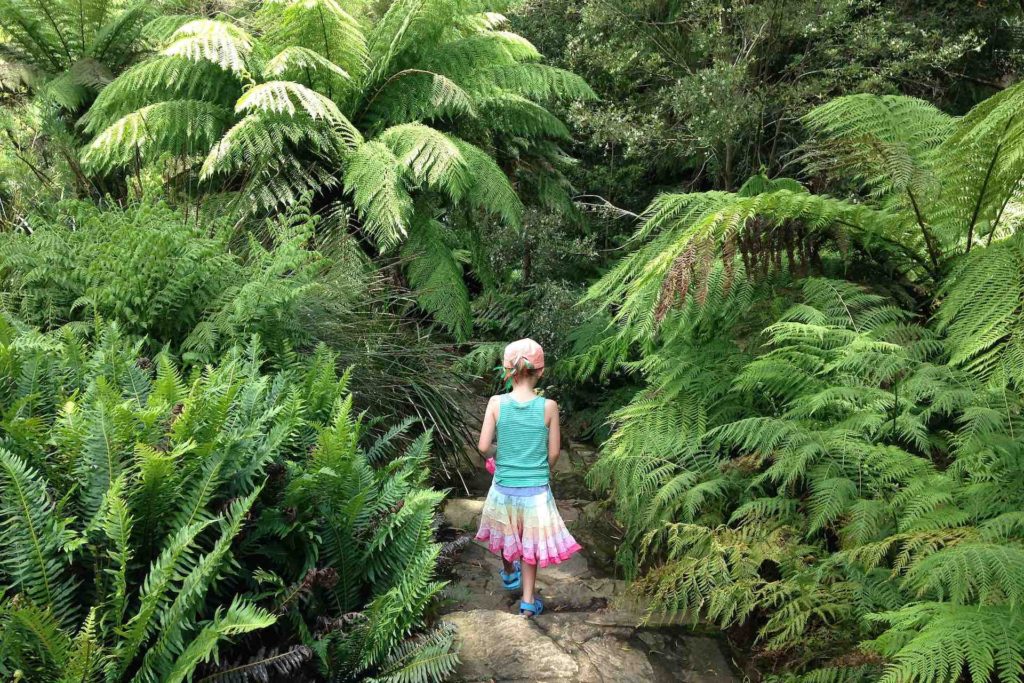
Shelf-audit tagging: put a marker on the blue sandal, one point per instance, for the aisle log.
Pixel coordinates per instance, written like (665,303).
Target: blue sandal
(528,609)
(514,580)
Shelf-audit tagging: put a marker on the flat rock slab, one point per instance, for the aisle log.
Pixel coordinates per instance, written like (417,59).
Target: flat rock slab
(686,658)
(609,659)
(501,647)
(498,646)
(569,586)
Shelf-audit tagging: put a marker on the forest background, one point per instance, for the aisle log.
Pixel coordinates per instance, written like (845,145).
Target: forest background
(252,254)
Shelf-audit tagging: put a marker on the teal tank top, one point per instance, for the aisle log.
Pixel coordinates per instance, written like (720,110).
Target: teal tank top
(522,458)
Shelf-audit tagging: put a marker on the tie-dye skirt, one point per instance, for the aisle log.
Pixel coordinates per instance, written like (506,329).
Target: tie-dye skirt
(527,527)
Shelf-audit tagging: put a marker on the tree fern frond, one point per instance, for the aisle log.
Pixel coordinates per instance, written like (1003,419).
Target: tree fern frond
(432,157)
(319,25)
(218,42)
(297,61)
(159,78)
(512,114)
(534,81)
(437,277)
(489,188)
(416,95)
(182,127)
(377,182)
(288,97)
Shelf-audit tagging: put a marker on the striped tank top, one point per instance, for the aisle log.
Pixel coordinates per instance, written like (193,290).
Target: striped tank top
(522,458)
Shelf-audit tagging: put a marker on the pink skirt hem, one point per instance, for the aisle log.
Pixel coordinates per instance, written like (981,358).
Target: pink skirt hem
(525,527)
(485,536)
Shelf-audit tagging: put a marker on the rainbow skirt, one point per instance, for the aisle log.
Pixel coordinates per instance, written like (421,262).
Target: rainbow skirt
(527,527)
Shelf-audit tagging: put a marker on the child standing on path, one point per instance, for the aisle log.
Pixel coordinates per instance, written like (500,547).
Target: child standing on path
(520,521)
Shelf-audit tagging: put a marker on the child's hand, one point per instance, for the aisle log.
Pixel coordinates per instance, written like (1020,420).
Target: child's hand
(490,465)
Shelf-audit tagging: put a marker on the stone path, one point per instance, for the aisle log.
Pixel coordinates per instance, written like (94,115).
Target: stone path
(586,632)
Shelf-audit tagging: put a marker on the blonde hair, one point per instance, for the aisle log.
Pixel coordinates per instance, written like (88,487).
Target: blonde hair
(521,369)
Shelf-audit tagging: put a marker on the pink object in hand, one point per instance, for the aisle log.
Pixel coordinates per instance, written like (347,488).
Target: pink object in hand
(490,465)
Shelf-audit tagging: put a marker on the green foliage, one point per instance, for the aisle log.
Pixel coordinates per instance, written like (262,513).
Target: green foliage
(97,418)
(840,478)
(694,94)
(68,50)
(936,186)
(796,487)
(160,275)
(396,119)
(196,285)
(980,311)
(171,485)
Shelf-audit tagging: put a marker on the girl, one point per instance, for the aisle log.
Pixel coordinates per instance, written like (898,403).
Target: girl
(520,520)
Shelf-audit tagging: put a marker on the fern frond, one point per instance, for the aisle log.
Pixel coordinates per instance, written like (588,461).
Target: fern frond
(180,127)
(423,659)
(377,182)
(288,97)
(218,42)
(437,277)
(156,79)
(417,95)
(34,539)
(296,61)
(319,25)
(431,157)
(937,642)
(240,617)
(534,81)
(970,573)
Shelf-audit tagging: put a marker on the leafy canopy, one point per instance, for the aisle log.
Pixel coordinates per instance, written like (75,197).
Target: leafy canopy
(399,120)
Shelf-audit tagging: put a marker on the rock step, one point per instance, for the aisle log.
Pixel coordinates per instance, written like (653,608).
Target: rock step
(590,647)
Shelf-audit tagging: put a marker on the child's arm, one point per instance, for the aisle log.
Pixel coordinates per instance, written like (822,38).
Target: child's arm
(488,427)
(554,433)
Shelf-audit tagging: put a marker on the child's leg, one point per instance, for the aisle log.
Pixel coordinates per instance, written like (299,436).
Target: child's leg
(509,567)
(529,581)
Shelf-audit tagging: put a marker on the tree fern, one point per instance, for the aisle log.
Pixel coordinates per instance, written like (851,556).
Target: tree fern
(936,185)
(411,110)
(77,46)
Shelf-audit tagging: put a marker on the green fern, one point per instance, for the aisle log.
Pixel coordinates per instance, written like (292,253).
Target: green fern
(173,499)
(67,51)
(314,93)
(937,184)
(811,451)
